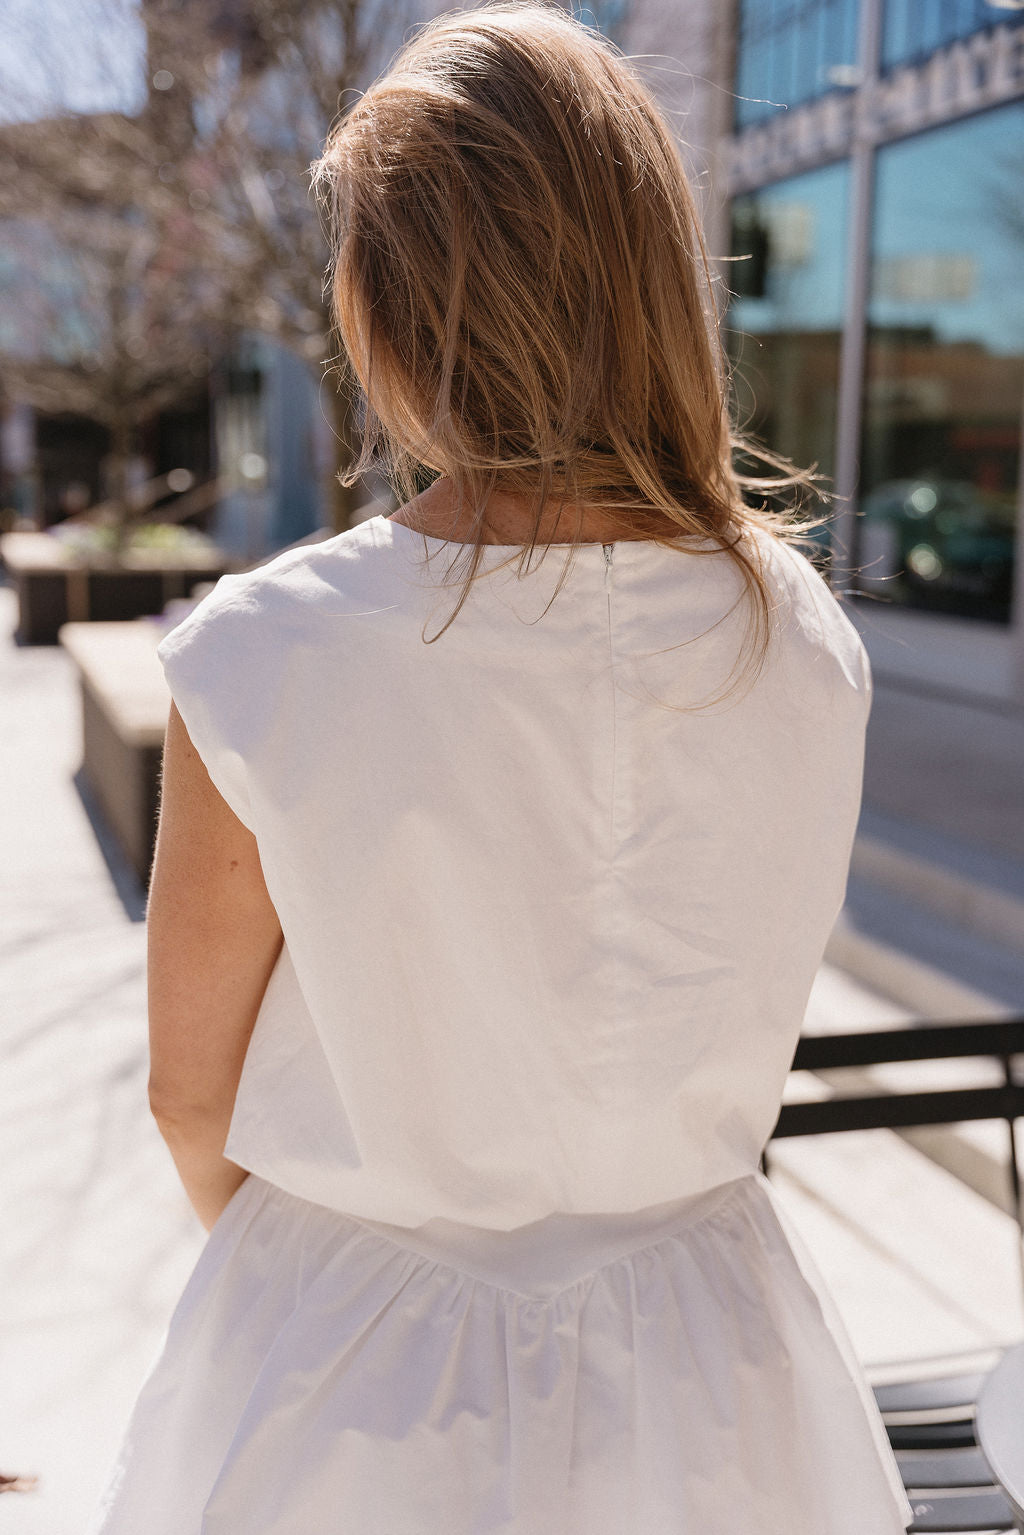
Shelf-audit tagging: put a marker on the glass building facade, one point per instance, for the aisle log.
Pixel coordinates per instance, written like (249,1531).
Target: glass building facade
(912,29)
(879,297)
(787,319)
(944,380)
(790,51)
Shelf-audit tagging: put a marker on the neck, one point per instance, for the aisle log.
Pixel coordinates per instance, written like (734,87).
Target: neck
(510,518)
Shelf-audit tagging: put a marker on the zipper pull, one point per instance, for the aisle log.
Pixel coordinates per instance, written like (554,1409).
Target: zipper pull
(607,566)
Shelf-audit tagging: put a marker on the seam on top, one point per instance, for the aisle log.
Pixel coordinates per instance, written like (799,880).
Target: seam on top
(614,712)
(718,1211)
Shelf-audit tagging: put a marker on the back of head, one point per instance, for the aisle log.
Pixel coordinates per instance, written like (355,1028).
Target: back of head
(521,286)
(518,275)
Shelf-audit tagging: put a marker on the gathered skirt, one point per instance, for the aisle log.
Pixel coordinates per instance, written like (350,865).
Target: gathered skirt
(675,1371)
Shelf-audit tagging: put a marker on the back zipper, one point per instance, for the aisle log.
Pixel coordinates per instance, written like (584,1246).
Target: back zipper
(607,566)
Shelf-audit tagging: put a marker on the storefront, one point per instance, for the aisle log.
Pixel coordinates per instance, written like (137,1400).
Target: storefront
(876,167)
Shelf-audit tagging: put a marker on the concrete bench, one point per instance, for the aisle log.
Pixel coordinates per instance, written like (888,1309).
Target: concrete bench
(125,704)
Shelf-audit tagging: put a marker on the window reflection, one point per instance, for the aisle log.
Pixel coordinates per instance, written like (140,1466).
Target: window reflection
(913,28)
(785,322)
(945,374)
(789,51)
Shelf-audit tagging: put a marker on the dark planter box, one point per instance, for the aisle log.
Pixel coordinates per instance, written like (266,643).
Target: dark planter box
(54,587)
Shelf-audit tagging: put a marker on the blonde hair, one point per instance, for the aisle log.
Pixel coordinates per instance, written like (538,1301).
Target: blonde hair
(519,280)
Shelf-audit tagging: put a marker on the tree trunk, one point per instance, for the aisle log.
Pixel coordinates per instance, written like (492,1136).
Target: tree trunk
(122,441)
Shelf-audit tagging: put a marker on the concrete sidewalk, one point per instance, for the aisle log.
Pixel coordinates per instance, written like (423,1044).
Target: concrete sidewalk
(99,1240)
(935,905)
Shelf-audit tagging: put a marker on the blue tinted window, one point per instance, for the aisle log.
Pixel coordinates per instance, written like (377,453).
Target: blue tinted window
(606,15)
(940,464)
(914,28)
(785,322)
(787,51)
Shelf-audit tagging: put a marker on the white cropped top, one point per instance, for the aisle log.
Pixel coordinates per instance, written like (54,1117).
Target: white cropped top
(548,942)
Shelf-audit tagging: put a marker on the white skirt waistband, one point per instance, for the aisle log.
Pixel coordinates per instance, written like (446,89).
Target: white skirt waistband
(548,1255)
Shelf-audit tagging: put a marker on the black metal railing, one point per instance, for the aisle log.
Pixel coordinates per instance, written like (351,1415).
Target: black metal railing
(879,1108)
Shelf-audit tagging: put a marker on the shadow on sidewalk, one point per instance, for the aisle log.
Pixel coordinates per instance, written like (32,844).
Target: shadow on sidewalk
(126,882)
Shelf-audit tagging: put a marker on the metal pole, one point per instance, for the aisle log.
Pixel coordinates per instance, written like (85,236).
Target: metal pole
(1017,607)
(1016,1192)
(1014,1168)
(1015,1188)
(853,348)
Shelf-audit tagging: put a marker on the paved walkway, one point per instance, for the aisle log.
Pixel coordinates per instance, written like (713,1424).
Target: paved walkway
(98,1238)
(948,765)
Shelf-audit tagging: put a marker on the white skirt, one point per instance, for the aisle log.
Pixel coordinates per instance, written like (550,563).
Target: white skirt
(678,1371)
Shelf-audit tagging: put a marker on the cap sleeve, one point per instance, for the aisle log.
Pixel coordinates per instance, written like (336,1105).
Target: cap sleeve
(822,634)
(204,662)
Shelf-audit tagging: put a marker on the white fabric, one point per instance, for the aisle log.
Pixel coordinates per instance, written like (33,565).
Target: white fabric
(505,1262)
(548,946)
(668,1376)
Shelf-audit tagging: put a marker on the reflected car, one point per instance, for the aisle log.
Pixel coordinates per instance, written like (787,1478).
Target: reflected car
(940,544)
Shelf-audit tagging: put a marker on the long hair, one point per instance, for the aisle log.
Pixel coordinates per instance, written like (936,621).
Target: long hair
(520,283)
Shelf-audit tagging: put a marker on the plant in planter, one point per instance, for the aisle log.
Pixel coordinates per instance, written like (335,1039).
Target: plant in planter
(103,573)
(102,565)
(97,543)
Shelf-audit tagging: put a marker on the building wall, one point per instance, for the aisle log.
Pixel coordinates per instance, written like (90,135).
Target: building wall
(685,53)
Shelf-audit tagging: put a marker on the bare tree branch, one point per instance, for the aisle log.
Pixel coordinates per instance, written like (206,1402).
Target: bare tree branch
(171,228)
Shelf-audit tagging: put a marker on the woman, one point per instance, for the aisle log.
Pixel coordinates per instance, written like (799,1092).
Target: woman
(478,956)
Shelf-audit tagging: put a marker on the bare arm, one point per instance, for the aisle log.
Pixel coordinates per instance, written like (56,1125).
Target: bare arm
(213,940)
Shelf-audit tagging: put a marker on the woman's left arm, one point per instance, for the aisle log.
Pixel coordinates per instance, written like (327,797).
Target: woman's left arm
(213,940)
